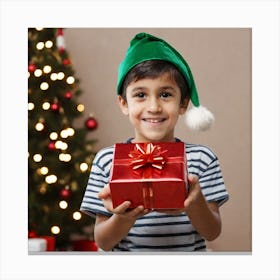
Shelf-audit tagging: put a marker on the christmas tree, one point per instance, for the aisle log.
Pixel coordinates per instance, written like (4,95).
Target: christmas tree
(59,154)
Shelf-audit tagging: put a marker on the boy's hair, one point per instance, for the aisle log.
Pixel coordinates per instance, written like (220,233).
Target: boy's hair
(153,69)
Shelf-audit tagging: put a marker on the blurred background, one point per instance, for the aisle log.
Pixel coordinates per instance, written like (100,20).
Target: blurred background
(220,59)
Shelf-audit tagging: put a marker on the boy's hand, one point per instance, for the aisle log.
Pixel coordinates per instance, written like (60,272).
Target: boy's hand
(195,194)
(121,209)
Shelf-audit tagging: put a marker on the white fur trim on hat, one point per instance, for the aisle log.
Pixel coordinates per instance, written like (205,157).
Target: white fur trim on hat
(199,118)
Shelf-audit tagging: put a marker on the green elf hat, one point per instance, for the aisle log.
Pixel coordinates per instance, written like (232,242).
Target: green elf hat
(145,47)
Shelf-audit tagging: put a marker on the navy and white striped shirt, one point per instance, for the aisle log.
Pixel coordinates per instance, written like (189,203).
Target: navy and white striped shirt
(158,231)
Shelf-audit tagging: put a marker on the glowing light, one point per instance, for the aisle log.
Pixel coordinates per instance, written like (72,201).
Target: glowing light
(63,204)
(55,229)
(39,126)
(37,157)
(84,167)
(40,45)
(46,105)
(60,75)
(64,157)
(38,72)
(53,76)
(53,136)
(70,80)
(64,133)
(48,44)
(31,106)
(47,69)
(44,86)
(43,189)
(51,179)
(80,107)
(59,144)
(39,28)
(44,170)
(77,215)
(70,131)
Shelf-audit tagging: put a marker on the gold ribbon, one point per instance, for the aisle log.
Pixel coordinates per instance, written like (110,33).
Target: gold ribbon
(147,156)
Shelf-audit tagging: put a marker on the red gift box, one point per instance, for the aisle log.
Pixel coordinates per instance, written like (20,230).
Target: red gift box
(84,245)
(149,174)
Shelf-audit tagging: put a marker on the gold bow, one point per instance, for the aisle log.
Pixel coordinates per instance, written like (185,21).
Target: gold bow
(147,155)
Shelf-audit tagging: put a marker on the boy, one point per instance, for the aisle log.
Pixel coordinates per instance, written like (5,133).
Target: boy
(155,85)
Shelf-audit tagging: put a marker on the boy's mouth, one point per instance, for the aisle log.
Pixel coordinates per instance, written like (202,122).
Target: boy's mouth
(153,120)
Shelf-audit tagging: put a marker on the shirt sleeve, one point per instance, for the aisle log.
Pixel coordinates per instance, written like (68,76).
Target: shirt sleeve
(205,164)
(98,178)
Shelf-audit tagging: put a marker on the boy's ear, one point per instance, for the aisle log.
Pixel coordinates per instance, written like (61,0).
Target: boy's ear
(123,105)
(184,106)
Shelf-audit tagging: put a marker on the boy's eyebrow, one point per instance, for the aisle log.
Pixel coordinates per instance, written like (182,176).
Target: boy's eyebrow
(138,88)
(161,88)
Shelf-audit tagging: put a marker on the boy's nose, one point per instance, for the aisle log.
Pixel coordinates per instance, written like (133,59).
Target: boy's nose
(154,105)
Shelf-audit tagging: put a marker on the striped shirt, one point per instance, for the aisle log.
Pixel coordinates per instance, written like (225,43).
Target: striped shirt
(158,231)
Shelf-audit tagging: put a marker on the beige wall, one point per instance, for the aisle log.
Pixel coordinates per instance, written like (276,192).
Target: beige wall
(220,60)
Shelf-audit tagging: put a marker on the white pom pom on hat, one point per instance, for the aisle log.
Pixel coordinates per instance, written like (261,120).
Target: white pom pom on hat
(199,118)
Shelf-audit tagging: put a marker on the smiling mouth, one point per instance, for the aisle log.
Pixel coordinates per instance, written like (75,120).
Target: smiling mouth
(154,120)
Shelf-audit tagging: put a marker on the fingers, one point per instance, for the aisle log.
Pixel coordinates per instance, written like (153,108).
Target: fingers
(105,192)
(192,179)
(121,209)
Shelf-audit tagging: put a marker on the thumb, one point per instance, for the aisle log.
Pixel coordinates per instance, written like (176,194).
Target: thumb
(192,180)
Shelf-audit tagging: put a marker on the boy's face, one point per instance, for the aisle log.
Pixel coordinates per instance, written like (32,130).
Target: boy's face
(153,107)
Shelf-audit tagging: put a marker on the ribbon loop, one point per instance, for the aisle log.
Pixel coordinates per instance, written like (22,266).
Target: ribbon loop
(147,156)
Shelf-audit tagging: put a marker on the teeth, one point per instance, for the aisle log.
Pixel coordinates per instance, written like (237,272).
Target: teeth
(153,120)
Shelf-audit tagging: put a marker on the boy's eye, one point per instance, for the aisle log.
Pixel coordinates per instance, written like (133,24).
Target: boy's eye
(165,94)
(139,95)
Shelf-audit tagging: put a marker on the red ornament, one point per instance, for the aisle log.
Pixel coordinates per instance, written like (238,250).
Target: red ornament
(65,193)
(51,146)
(68,95)
(55,107)
(32,234)
(66,61)
(31,67)
(91,123)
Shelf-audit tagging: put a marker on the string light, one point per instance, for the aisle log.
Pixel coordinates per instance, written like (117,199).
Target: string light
(77,215)
(37,157)
(60,75)
(67,132)
(48,44)
(70,131)
(61,145)
(70,80)
(80,107)
(47,69)
(64,157)
(53,136)
(53,76)
(51,179)
(84,167)
(39,126)
(44,170)
(55,229)
(64,133)
(40,45)
(43,189)
(38,72)
(63,204)
(46,105)
(31,106)
(44,86)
